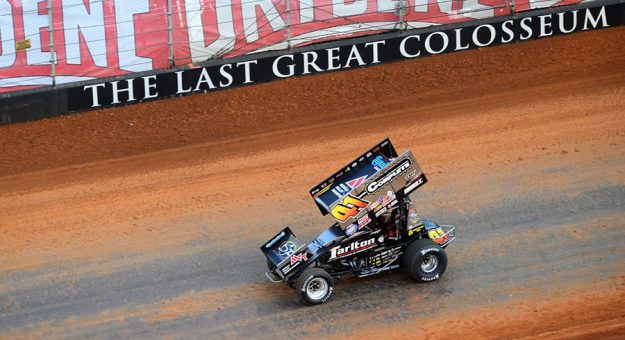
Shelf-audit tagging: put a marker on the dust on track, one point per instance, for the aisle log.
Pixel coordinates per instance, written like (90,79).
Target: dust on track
(527,160)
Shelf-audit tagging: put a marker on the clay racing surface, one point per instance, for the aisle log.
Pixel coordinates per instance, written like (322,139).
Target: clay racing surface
(146,220)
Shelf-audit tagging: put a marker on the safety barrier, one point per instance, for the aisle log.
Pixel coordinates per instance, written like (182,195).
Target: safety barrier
(50,42)
(246,69)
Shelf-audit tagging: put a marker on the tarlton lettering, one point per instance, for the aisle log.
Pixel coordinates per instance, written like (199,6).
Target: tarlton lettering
(353,248)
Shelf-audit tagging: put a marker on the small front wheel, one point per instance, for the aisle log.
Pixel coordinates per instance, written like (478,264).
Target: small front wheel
(314,286)
(425,260)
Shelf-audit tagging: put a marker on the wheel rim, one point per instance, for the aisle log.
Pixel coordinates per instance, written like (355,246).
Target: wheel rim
(429,263)
(317,288)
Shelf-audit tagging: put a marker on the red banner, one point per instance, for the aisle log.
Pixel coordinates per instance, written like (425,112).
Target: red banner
(103,38)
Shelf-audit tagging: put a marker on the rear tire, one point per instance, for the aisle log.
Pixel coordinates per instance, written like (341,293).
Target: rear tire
(314,286)
(425,260)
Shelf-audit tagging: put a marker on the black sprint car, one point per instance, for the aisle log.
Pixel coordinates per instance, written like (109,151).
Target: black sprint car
(376,229)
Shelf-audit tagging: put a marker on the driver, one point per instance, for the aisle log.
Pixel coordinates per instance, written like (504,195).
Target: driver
(388,221)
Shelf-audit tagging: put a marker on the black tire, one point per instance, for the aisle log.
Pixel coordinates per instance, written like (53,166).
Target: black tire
(314,286)
(425,260)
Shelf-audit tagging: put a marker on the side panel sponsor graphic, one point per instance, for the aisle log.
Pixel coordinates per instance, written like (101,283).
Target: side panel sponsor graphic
(353,248)
(384,257)
(298,258)
(287,269)
(349,231)
(363,221)
(415,230)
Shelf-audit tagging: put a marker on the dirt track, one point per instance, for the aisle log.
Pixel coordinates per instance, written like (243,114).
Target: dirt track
(113,235)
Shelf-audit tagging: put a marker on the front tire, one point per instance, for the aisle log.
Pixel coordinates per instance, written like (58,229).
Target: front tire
(314,286)
(425,260)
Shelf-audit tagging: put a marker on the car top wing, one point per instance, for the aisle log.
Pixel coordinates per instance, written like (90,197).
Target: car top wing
(343,182)
(369,186)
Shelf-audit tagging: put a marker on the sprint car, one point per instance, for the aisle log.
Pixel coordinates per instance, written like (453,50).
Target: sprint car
(376,229)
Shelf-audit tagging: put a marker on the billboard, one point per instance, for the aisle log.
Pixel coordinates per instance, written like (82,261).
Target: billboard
(46,42)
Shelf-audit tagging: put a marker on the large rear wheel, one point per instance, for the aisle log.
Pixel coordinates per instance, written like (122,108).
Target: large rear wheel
(425,260)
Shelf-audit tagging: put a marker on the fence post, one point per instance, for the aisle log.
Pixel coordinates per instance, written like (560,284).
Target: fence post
(400,12)
(170,31)
(288,24)
(51,38)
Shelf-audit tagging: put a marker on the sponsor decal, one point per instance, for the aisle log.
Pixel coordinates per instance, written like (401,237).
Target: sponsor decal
(354,183)
(286,249)
(288,268)
(388,176)
(275,239)
(363,221)
(387,199)
(384,257)
(414,223)
(381,211)
(379,163)
(414,231)
(419,182)
(427,250)
(349,231)
(411,175)
(438,235)
(349,207)
(325,187)
(341,190)
(425,278)
(298,258)
(353,248)
(413,219)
